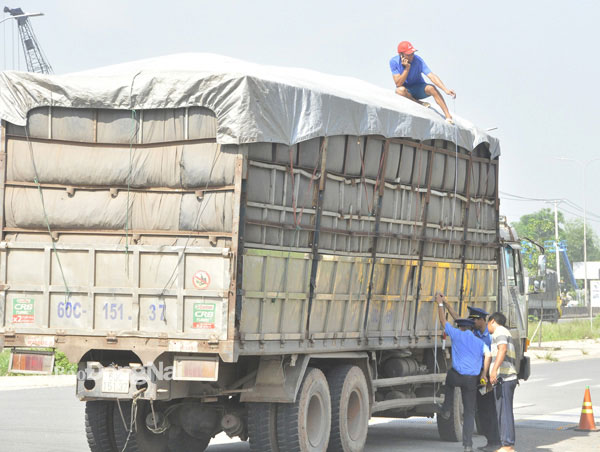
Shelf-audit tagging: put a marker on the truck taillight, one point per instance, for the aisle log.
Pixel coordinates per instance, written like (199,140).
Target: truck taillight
(526,345)
(196,368)
(31,362)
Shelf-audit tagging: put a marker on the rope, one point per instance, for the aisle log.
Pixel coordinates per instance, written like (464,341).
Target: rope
(134,131)
(293,186)
(455,178)
(310,185)
(200,212)
(39,187)
(132,418)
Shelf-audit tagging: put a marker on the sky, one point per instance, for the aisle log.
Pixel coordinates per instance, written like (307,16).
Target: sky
(527,68)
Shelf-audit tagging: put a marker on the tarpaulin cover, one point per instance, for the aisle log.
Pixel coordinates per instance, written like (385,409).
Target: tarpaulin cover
(253,103)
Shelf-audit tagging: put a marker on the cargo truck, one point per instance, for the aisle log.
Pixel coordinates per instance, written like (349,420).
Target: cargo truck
(223,246)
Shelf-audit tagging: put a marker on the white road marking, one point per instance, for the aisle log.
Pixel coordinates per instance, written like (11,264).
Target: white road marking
(570,382)
(533,380)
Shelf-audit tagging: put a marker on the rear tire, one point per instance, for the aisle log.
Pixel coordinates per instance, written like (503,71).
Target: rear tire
(262,427)
(304,426)
(350,409)
(451,429)
(99,426)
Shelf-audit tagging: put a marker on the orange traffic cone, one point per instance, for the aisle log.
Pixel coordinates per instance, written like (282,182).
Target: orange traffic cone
(586,421)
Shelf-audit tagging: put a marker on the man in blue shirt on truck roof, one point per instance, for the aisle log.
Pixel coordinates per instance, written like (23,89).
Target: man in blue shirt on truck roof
(471,359)
(407,69)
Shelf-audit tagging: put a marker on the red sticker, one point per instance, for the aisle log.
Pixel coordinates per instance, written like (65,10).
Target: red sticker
(201,280)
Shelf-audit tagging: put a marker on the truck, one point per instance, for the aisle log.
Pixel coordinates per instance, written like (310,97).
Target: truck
(547,304)
(228,247)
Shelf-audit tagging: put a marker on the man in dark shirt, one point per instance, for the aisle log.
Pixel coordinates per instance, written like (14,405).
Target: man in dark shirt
(407,68)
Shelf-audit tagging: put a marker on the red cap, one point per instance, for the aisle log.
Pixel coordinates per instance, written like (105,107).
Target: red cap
(406,47)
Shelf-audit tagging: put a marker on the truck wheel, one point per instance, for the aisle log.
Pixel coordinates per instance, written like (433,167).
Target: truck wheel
(262,427)
(451,429)
(182,442)
(349,409)
(304,426)
(99,426)
(141,439)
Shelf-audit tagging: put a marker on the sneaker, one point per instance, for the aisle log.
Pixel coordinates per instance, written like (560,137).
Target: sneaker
(468,449)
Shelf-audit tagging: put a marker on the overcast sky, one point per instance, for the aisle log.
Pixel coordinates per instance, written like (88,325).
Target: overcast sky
(527,67)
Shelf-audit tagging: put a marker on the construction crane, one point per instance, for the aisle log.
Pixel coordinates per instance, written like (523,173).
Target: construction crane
(34,56)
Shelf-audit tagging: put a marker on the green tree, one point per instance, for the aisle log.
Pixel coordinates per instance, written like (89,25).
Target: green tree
(539,227)
(573,236)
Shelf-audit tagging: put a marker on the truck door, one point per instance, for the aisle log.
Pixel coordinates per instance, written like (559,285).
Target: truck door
(513,302)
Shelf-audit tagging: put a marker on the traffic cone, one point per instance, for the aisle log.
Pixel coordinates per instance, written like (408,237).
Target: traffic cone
(586,421)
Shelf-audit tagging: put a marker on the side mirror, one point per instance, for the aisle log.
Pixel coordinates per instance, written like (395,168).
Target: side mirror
(542,265)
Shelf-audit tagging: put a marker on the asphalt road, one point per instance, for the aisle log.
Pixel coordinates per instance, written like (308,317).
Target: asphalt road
(546,409)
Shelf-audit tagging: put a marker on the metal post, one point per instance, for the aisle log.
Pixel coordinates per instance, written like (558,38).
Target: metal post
(556,243)
(585,276)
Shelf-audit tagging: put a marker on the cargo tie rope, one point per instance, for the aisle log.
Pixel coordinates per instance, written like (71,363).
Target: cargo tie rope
(134,132)
(298,219)
(194,226)
(36,180)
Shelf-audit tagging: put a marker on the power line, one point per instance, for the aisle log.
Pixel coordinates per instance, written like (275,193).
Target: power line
(511,197)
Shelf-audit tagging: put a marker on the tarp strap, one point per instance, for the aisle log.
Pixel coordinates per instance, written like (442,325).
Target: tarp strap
(44,211)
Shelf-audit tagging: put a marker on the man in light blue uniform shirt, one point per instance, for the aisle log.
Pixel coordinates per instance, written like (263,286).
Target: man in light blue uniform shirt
(406,70)
(486,405)
(468,353)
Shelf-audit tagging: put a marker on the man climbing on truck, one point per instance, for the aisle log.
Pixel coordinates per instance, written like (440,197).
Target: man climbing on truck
(407,69)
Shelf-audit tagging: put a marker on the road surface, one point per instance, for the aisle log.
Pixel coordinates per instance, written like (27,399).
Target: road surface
(546,409)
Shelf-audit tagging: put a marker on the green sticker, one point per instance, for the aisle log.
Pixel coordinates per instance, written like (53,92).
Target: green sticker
(204,316)
(23,310)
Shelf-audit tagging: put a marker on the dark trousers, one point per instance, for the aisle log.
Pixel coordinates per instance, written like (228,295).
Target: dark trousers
(468,388)
(504,395)
(486,410)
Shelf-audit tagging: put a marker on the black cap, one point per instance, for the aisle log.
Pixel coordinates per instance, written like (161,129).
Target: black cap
(465,322)
(477,313)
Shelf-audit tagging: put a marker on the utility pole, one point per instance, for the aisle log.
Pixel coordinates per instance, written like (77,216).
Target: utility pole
(34,56)
(556,243)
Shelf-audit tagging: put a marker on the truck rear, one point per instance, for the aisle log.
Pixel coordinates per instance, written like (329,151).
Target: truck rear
(228,258)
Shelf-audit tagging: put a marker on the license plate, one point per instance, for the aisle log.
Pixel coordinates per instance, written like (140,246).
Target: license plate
(115,380)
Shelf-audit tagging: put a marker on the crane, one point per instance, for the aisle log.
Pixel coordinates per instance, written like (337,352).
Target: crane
(34,56)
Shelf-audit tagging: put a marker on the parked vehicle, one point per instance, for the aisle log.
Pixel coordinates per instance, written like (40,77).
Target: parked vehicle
(255,250)
(546,305)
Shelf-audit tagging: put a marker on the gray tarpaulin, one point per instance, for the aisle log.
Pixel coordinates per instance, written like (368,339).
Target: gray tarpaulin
(253,103)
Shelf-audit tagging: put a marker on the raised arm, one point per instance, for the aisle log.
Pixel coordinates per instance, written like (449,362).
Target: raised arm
(451,311)
(401,77)
(438,82)
(441,302)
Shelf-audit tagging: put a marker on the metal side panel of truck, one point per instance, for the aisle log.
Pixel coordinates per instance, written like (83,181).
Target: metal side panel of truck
(202,286)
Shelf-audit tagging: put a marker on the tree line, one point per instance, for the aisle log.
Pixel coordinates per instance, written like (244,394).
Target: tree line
(539,226)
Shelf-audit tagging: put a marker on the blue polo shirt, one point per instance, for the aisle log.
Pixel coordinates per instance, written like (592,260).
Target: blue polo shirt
(417,67)
(485,337)
(467,351)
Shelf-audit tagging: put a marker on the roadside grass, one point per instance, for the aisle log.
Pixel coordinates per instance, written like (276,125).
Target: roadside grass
(4,355)
(548,357)
(62,366)
(566,331)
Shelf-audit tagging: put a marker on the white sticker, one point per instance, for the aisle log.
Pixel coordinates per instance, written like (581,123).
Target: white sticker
(39,341)
(183,346)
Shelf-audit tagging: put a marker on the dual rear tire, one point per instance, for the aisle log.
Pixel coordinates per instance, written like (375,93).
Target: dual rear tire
(331,413)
